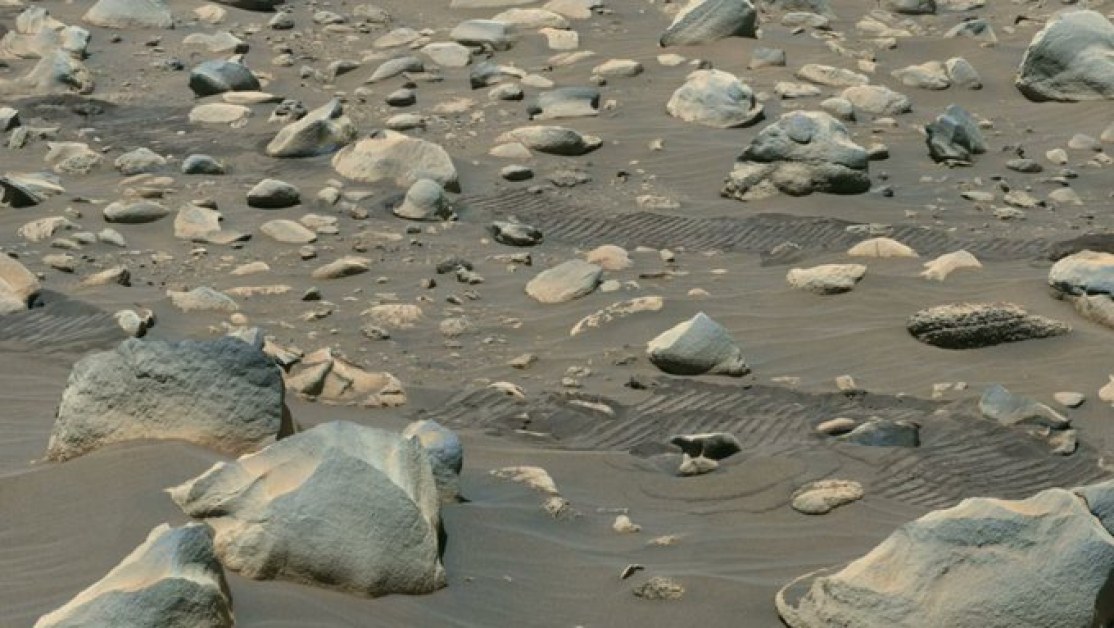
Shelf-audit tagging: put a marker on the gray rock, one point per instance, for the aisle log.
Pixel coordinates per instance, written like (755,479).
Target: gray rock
(827,279)
(273,194)
(762,57)
(124,14)
(490,73)
(711,445)
(715,98)
(976,325)
(977,29)
(704,21)
(202,164)
(393,67)
(445,452)
(515,233)
(820,7)
(392,156)
(320,132)
(931,75)
(135,213)
(72,157)
(962,74)
(287,232)
(802,153)
(401,98)
(830,76)
(381,532)
(1070,59)
(172,580)
(343,267)
(1085,272)
(222,394)
(139,161)
(911,7)
(196,223)
(216,77)
(425,200)
(498,35)
(28,189)
(985,563)
(877,100)
(565,102)
(202,299)
(954,136)
(57,72)
(884,433)
(448,54)
(1009,409)
(1027,166)
(564,282)
(698,346)
(555,140)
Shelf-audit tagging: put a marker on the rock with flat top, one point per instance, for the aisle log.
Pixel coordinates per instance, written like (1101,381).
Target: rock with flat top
(976,325)
(564,282)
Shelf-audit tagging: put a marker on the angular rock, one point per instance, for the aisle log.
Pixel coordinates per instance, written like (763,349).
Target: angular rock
(448,54)
(72,157)
(381,532)
(515,233)
(393,67)
(139,161)
(445,452)
(1070,59)
(28,189)
(216,77)
(977,325)
(391,156)
(831,76)
(1009,409)
(697,346)
(329,377)
(135,213)
(564,282)
(931,75)
(287,231)
(223,394)
(320,132)
(954,136)
(343,267)
(498,35)
(125,14)
(425,200)
(196,223)
(704,21)
(877,100)
(827,279)
(701,453)
(18,286)
(715,98)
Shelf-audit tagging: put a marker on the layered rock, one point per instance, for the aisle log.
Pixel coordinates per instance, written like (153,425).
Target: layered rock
(704,21)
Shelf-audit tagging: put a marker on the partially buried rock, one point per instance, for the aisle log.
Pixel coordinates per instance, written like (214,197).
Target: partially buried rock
(715,98)
(565,102)
(705,21)
(881,248)
(564,282)
(659,588)
(1071,59)
(976,325)
(701,453)
(554,140)
(697,346)
(202,299)
(320,132)
(617,311)
(939,268)
(827,279)
(343,267)
(18,286)
(216,77)
(273,194)
(391,156)
(288,232)
(425,200)
(139,161)
(495,34)
(802,153)
(820,498)
(985,563)
(129,14)
(1001,405)
(954,136)
(884,433)
(202,165)
(327,376)
(515,233)
(135,213)
(381,533)
(877,100)
(223,394)
(445,453)
(172,580)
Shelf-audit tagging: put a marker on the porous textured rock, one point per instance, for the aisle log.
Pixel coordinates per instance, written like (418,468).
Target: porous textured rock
(714,98)
(976,325)
(697,346)
(1070,59)
(340,505)
(223,394)
(172,580)
(985,563)
(820,498)
(704,21)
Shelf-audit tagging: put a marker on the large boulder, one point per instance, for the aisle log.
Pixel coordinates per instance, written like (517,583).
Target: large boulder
(1070,59)
(398,158)
(18,286)
(564,282)
(172,580)
(129,14)
(223,394)
(341,506)
(975,325)
(698,346)
(802,153)
(985,563)
(704,21)
(954,136)
(715,98)
(320,132)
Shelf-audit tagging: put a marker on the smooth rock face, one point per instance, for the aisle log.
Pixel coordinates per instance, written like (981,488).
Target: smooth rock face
(130,14)
(172,580)
(380,535)
(18,286)
(287,231)
(704,21)
(697,346)
(135,213)
(445,452)
(1085,272)
(564,282)
(498,35)
(1001,405)
(714,98)
(954,136)
(391,156)
(223,394)
(877,100)
(555,140)
(320,132)
(273,194)
(565,102)
(425,200)
(976,325)
(827,279)
(1071,59)
(939,268)
(802,153)
(985,563)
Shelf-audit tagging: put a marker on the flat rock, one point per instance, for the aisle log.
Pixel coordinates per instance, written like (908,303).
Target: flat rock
(202,299)
(697,346)
(555,140)
(705,21)
(976,325)
(343,267)
(445,453)
(18,286)
(881,248)
(287,232)
(1001,405)
(219,113)
(827,279)
(877,100)
(824,496)
(327,376)
(564,282)
(394,157)
(134,213)
(320,132)
(124,14)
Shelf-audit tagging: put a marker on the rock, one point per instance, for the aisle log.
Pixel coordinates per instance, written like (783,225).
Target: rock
(931,75)
(139,161)
(173,579)
(222,394)
(762,57)
(624,525)
(911,7)
(381,535)
(555,140)
(535,478)
(134,213)
(564,282)
(343,267)
(618,68)
(560,39)
(498,35)
(515,234)
(705,21)
(609,257)
(954,136)
(287,232)
(977,29)
(803,152)
(824,496)
(394,67)
(1069,399)
(617,311)
(425,200)
(119,275)
(565,102)
(273,194)
(837,426)
(395,315)
(28,189)
(697,346)
(202,299)
(445,452)
(72,157)
(196,223)
(788,90)
(251,5)
(327,376)
(18,286)
(884,433)
(45,228)
(985,563)
(1083,273)
(877,100)
(701,453)
(392,156)
(1070,59)
(216,77)
(659,588)
(1009,409)
(516,173)
(976,325)
(1106,393)
(320,132)
(222,41)
(57,72)
(202,164)
(448,54)
(962,74)
(939,268)
(830,76)
(125,14)
(881,248)
(827,279)
(715,98)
